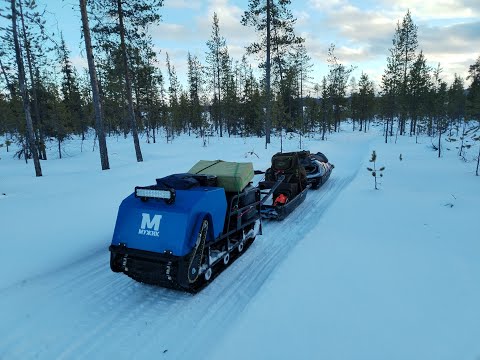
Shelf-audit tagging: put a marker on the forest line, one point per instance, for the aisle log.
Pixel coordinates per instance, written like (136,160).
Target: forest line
(125,91)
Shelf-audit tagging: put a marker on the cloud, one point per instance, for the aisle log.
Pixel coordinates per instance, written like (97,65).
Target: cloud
(439,9)
(363,31)
(169,31)
(182,4)
(79,62)
(452,39)
(229,17)
(326,5)
(360,35)
(452,46)
(302,16)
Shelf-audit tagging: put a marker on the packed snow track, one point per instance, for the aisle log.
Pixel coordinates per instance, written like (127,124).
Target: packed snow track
(86,311)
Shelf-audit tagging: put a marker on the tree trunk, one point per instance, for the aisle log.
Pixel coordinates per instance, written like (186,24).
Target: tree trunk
(460,152)
(386,131)
(9,85)
(128,84)
(95,90)
(478,161)
(23,92)
(324,127)
(301,103)
(268,120)
(219,109)
(439,140)
(40,139)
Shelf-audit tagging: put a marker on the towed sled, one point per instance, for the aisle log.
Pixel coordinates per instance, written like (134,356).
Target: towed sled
(317,168)
(300,171)
(183,231)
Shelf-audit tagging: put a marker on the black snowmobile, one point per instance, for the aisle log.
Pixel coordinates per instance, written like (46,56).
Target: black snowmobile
(317,167)
(301,171)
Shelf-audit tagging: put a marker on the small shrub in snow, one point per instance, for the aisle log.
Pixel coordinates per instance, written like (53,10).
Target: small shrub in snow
(374,171)
(251,153)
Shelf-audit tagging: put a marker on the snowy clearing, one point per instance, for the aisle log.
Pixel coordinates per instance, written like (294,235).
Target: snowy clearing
(353,273)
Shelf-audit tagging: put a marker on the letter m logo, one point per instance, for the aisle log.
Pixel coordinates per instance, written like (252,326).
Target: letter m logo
(150,224)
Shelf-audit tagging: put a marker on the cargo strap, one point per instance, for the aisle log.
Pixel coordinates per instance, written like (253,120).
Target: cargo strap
(215,163)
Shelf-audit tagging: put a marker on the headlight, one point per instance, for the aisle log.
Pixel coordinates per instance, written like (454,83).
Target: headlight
(149,193)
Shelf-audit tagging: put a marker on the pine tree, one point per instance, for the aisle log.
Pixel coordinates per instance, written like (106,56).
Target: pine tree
(303,67)
(391,85)
(34,38)
(438,98)
(376,173)
(174,92)
(215,60)
(337,79)
(127,21)
(195,83)
(419,84)
(366,100)
(352,102)
(274,23)
(326,107)
(407,46)
(473,98)
(23,91)
(94,86)
(72,99)
(456,107)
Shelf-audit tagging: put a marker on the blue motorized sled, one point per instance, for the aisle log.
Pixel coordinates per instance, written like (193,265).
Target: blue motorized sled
(184,230)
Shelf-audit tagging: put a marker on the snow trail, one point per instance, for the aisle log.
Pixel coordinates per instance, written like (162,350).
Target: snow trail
(100,307)
(85,311)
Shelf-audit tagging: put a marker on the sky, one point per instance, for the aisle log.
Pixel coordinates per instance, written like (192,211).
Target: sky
(362,31)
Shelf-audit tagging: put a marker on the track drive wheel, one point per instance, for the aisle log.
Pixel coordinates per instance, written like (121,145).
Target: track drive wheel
(240,246)
(114,263)
(196,258)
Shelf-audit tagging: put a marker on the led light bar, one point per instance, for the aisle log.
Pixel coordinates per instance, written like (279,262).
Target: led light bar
(154,194)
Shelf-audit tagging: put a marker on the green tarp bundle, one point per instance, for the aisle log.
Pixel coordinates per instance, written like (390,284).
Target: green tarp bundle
(232,176)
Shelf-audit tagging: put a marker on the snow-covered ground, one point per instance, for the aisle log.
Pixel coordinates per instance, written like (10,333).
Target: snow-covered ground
(353,273)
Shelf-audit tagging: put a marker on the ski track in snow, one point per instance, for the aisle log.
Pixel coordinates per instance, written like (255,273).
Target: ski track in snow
(105,314)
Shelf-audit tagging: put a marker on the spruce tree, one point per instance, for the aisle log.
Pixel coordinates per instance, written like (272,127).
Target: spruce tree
(366,100)
(215,60)
(126,21)
(419,85)
(195,84)
(337,79)
(174,92)
(407,46)
(473,99)
(274,23)
(34,40)
(391,85)
(438,99)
